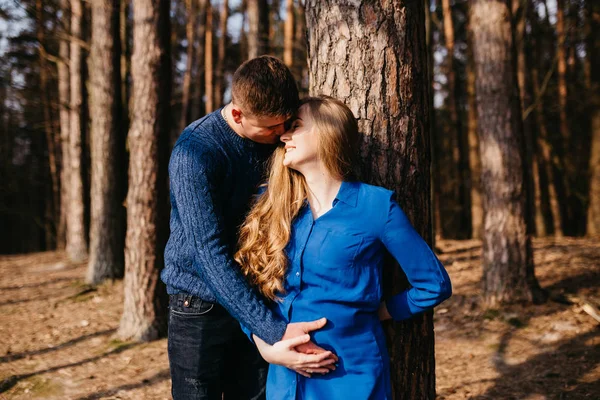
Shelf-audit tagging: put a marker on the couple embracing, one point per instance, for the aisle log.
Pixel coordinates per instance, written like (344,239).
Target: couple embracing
(274,260)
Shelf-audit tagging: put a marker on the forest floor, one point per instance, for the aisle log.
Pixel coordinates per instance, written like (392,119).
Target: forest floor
(57,334)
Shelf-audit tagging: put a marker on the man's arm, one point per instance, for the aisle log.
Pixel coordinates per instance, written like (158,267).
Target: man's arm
(194,189)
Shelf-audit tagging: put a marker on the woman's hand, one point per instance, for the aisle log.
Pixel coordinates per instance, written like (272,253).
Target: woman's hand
(383,313)
(283,353)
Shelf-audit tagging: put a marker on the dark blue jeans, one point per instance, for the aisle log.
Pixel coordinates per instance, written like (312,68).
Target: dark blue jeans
(209,355)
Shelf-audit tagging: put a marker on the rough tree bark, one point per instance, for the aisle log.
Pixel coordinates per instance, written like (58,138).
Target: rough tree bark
(144,308)
(508,273)
(373,56)
(107,238)
(76,235)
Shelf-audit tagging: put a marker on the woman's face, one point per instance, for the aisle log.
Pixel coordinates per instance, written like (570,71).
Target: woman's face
(301,142)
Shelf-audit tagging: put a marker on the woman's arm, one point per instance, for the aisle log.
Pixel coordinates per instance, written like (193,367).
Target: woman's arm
(426,274)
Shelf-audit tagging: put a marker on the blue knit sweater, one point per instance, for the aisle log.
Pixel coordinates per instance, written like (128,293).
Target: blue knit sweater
(213,174)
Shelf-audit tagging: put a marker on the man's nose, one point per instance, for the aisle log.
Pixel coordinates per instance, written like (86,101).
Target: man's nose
(285,137)
(280,130)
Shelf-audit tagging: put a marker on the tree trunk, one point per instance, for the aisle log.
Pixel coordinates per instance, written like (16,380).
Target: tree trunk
(258,28)
(198,81)
(187,75)
(64,100)
(288,35)
(546,161)
(458,145)
(373,56)
(300,68)
(519,12)
(565,166)
(54,201)
(474,161)
(107,240)
(593,61)
(144,308)
(208,61)
(220,72)
(508,274)
(76,235)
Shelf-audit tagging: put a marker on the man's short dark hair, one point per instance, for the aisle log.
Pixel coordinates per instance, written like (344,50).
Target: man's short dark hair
(265,87)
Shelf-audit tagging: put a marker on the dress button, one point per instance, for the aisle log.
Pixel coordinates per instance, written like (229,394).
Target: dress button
(297,273)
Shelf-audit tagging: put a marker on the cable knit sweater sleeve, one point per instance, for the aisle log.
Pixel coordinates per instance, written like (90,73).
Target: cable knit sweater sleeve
(194,176)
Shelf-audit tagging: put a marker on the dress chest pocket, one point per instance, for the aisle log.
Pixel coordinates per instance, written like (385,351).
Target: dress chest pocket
(339,250)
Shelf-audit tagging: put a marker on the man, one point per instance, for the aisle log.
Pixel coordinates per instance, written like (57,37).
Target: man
(215,168)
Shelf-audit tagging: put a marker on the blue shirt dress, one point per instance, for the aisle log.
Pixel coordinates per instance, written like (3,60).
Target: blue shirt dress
(335,271)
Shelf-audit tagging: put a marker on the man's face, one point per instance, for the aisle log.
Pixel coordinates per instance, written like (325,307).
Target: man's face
(266,130)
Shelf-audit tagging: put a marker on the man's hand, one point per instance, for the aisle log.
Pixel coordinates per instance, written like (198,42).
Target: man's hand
(302,328)
(383,313)
(283,353)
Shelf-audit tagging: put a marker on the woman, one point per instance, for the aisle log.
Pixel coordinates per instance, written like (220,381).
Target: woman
(314,244)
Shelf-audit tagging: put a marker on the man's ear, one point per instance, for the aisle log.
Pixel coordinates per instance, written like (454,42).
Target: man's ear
(237,114)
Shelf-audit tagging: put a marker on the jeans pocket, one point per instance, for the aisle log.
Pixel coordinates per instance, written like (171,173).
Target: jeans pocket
(191,307)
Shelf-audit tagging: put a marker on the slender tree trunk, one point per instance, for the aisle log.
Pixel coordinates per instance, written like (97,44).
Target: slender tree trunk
(565,166)
(220,72)
(144,308)
(288,34)
(376,61)
(107,240)
(459,145)
(208,61)
(508,274)
(76,235)
(258,28)
(187,75)
(593,62)
(474,160)
(54,201)
(64,101)
(243,34)
(547,163)
(519,12)
(300,67)
(198,81)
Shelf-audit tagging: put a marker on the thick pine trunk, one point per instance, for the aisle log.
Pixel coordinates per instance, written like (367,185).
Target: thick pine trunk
(258,28)
(220,72)
(107,239)
(190,31)
(64,117)
(208,61)
(76,235)
(144,308)
(508,274)
(373,56)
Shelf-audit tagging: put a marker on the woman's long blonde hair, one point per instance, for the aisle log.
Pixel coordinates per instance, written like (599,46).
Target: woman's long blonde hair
(267,228)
